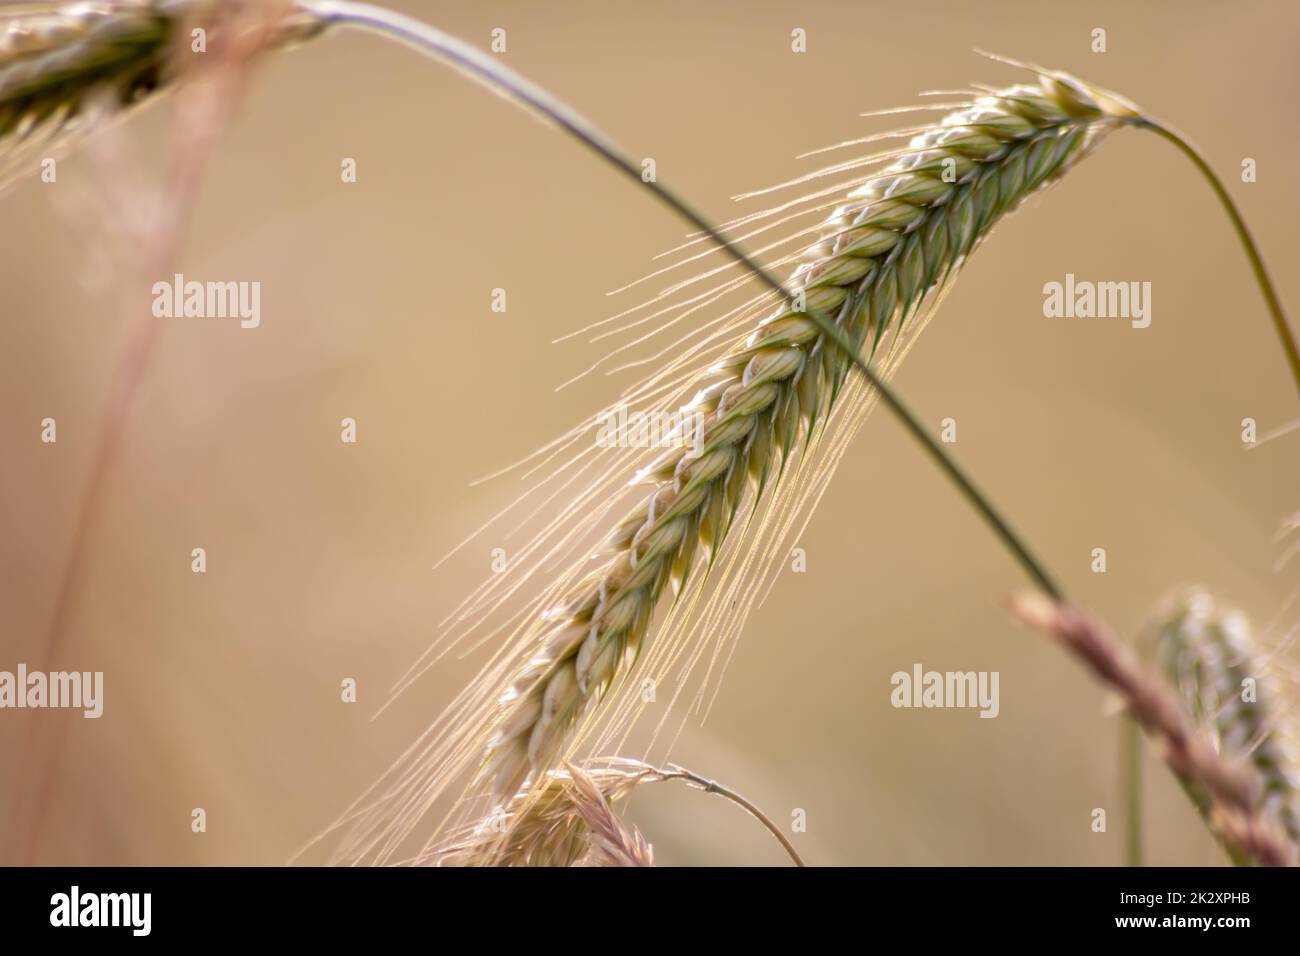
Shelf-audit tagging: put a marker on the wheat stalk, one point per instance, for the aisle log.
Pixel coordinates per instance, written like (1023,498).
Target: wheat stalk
(1231,786)
(569,668)
(58,58)
(885,253)
(880,256)
(1209,654)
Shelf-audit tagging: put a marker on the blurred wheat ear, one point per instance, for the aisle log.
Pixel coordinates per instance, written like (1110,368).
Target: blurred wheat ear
(56,61)
(59,62)
(1228,789)
(1210,655)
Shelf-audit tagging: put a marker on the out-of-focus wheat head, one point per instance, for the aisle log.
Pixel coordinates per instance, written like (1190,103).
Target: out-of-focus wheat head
(1224,785)
(1227,682)
(63,63)
(779,409)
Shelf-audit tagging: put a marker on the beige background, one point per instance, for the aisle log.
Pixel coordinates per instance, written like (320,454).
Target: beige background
(222,690)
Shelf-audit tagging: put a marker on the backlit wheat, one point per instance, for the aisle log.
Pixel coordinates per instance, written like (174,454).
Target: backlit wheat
(893,242)
(877,267)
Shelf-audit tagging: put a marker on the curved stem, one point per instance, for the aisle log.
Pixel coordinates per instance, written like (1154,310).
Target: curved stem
(506,82)
(1271,299)
(675,772)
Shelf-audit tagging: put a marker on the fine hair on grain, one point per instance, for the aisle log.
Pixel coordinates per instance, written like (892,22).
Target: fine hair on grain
(640,569)
(701,535)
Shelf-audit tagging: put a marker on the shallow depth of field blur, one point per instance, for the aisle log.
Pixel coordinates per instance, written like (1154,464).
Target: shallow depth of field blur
(222,690)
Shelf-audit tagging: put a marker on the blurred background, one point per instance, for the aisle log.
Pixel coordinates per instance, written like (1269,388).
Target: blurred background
(222,689)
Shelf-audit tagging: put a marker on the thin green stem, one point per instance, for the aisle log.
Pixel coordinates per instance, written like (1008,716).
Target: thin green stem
(506,82)
(1271,299)
(1131,788)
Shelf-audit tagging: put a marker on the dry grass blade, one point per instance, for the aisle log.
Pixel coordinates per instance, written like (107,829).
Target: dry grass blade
(1233,789)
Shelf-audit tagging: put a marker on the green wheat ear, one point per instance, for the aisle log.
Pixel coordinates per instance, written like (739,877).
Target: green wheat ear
(60,62)
(1213,659)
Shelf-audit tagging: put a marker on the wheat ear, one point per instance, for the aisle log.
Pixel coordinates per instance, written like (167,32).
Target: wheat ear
(549,826)
(56,65)
(1231,786)
(611,841)
(26,108)
(552,824)
(1210,656)
(896,239)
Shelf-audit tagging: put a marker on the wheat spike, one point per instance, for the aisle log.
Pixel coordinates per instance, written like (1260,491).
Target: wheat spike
(57,61)
(569,820)
(1209,654)
(1224,785)
(881,259)
(880,255)
(611,841)
(566,821)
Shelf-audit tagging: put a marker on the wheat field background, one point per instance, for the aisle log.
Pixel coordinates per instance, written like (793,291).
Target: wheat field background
(222,689)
